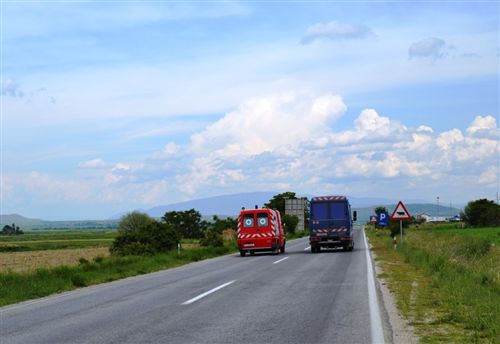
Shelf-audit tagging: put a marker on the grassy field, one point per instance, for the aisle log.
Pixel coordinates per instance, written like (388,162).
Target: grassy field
(446,281)
(53,240)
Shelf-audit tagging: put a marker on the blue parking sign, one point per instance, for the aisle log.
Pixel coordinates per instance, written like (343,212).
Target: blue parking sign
(383,218)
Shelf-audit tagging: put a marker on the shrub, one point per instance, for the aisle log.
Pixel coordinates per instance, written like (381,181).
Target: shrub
(212,238)
(98,259)
(145,237)
(83,261)
(78,280)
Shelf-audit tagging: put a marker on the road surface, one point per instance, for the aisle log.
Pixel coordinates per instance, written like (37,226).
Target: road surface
(296,297)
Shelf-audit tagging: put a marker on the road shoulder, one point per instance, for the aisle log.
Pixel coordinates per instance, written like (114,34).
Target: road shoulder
(402,332)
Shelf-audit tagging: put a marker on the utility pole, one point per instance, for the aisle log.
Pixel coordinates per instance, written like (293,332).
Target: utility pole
(437,206)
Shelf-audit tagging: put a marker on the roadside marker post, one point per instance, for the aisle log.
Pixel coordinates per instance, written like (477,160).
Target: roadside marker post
(400,213)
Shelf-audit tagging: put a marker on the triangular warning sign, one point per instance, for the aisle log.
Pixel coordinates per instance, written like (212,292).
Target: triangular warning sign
(400,212)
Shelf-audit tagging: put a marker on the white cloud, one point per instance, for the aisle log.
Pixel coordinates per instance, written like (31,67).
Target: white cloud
(94,163)
(265,124)
(425,129)
(335,31)
(485,127)
(279,142)
(449,138)
(490,176)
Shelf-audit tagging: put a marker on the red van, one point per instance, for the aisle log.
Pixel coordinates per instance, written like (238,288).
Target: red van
(260,230)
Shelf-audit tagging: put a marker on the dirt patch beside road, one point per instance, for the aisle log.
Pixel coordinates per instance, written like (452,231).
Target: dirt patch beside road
(32,260)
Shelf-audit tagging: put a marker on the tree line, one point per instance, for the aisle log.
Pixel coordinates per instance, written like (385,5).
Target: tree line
(140,234)
(11,230)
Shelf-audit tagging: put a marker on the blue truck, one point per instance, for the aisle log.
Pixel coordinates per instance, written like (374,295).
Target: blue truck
(331,223)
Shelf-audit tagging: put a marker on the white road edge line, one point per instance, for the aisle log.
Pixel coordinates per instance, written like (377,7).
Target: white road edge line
(376,330)
(194,299)
(282,259)
(307,248)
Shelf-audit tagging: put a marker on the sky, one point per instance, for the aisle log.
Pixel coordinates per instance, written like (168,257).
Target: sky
(110,106)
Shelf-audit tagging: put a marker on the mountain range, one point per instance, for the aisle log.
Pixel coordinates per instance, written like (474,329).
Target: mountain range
(228,205)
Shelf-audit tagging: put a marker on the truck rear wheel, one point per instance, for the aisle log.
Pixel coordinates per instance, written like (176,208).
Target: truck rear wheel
(243,253)
(282,249)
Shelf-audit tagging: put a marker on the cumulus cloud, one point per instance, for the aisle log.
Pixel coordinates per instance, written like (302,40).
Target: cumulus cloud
(265,124)
(280,142)
(483,126)
(335,31)
(307,148)
(433,48)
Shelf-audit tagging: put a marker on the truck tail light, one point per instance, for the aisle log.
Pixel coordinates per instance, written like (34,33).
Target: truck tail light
(346,238)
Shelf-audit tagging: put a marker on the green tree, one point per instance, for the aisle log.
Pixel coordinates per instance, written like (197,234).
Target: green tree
(481,213)
(134,221)
(139,234)
(188,223)
(278,201)
(221,225)
(291,222)
(380,209)
(11,230)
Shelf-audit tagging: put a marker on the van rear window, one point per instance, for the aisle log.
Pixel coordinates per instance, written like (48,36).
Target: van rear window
(248,220)
(262,220)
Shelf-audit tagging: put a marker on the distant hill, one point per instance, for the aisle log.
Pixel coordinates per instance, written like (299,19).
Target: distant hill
(37,224)
(226,205)
(19,220)
(219,205)
(230,205)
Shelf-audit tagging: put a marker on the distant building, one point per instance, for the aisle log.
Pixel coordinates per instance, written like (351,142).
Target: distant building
(297,208)
(423,216)
(428,218)
(437,219)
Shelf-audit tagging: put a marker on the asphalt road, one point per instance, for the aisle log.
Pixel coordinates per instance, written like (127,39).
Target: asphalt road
(296,297)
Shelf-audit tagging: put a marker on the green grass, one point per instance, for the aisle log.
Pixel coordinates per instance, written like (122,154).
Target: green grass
(50,240)
(446,281)
(17,287)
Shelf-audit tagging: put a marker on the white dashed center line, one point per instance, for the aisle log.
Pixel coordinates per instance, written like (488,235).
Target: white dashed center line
(194,299)
(282,259)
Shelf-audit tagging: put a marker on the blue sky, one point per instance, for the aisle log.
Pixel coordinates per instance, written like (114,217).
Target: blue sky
(113,106)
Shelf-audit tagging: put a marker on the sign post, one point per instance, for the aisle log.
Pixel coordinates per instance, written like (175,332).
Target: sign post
(400,213)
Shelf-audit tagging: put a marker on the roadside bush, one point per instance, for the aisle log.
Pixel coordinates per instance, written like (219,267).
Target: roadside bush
(145,237)
(78,280)
(212,238)
(395,229)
